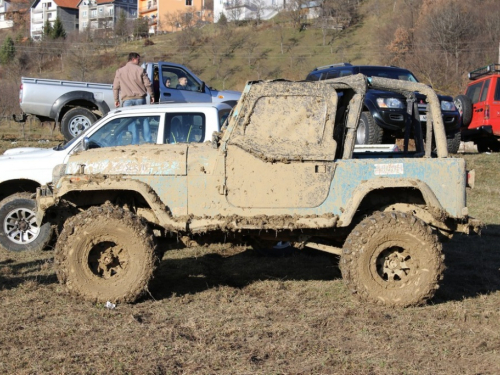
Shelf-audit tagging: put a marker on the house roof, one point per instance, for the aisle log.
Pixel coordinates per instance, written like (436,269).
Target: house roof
(67,3)
(97,2)
(73,4)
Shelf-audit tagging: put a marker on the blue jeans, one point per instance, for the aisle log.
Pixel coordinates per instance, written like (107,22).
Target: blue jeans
(146,131)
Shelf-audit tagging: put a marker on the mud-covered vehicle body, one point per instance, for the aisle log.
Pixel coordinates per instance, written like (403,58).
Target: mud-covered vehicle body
(282,170)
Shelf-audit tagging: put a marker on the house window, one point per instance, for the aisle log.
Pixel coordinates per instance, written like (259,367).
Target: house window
(49,15)
(133,13)
(49,5)
(85,24)
(100,10)
(111,11)
(93,13)
(149,4)
(84,13)
(189,2)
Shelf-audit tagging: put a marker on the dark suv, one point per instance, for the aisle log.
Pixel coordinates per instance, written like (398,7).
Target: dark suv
(384,115)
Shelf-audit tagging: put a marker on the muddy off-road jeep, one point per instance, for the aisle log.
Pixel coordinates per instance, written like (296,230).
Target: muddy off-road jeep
(282,170)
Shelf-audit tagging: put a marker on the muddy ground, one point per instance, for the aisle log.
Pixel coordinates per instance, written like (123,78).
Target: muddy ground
(229,310)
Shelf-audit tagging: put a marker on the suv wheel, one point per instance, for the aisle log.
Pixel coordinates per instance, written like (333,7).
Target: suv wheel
(464,106)
(368,133)
(18,228)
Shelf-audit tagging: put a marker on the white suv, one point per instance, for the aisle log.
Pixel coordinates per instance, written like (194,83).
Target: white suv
(22,170)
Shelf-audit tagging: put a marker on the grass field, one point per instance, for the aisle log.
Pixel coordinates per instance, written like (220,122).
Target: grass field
(225,309)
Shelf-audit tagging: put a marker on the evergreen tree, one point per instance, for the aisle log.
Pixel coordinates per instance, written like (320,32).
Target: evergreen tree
(8,51)
(141,27)
(121,24)
(58,30)
(48,30)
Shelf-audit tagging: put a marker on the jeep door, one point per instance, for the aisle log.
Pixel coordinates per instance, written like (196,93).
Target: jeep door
(478,93)
(281,151)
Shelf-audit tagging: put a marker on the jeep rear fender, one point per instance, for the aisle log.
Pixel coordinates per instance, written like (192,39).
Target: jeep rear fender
(84,99)
(382,184)
(90,183)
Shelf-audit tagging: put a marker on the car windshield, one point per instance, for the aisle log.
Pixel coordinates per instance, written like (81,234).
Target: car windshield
(400,74)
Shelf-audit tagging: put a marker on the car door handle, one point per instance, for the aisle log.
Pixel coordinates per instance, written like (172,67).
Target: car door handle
(479,110)
(167,94)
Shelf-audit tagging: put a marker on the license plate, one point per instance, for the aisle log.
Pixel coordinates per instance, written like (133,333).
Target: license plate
(423,118)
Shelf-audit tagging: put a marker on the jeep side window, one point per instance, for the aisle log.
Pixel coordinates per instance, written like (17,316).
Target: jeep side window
(484,93)
(473,91)
(497,91)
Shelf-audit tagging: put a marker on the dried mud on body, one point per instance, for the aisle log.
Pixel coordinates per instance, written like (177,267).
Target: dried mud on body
(227,309)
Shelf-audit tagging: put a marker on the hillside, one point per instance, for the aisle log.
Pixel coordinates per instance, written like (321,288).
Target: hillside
(431,38)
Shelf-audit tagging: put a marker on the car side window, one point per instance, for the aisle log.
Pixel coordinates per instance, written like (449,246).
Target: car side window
(331,74)
(185,128)
(175,76)
(126,131)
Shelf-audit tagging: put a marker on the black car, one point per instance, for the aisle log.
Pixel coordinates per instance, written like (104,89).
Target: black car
(385,113)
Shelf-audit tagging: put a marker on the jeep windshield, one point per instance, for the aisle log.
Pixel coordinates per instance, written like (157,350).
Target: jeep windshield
(400,74)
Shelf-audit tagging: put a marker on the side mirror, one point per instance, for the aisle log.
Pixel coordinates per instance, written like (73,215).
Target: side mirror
(85,143)
(202,88)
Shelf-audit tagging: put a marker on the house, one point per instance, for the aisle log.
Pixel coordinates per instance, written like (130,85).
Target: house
(173,15)
(48,10)
(101,15)
(239,10)
(12,12)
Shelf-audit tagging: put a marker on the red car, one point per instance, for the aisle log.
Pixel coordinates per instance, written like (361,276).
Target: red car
(480,108)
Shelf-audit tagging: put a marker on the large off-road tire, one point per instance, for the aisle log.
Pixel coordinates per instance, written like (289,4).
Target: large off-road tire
(392,258)
(368,132)
(464,106)
(453,142)
(106,254)
(18,228)
(76,121)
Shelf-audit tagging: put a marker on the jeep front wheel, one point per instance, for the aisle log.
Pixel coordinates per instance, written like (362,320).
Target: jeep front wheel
(368,132)
(106,254)
(392,258)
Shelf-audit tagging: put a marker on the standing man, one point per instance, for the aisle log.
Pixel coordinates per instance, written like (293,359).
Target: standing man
(132,84)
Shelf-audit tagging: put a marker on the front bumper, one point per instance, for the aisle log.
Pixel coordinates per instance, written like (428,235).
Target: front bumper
(395,120)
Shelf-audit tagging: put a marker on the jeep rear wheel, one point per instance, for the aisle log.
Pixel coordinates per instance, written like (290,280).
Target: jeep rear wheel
(392,258)
(368,132)
(18,228)
(76,121)
(106,254)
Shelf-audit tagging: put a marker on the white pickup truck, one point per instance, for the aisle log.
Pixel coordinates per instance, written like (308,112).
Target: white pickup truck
(22,170)
(74,106)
